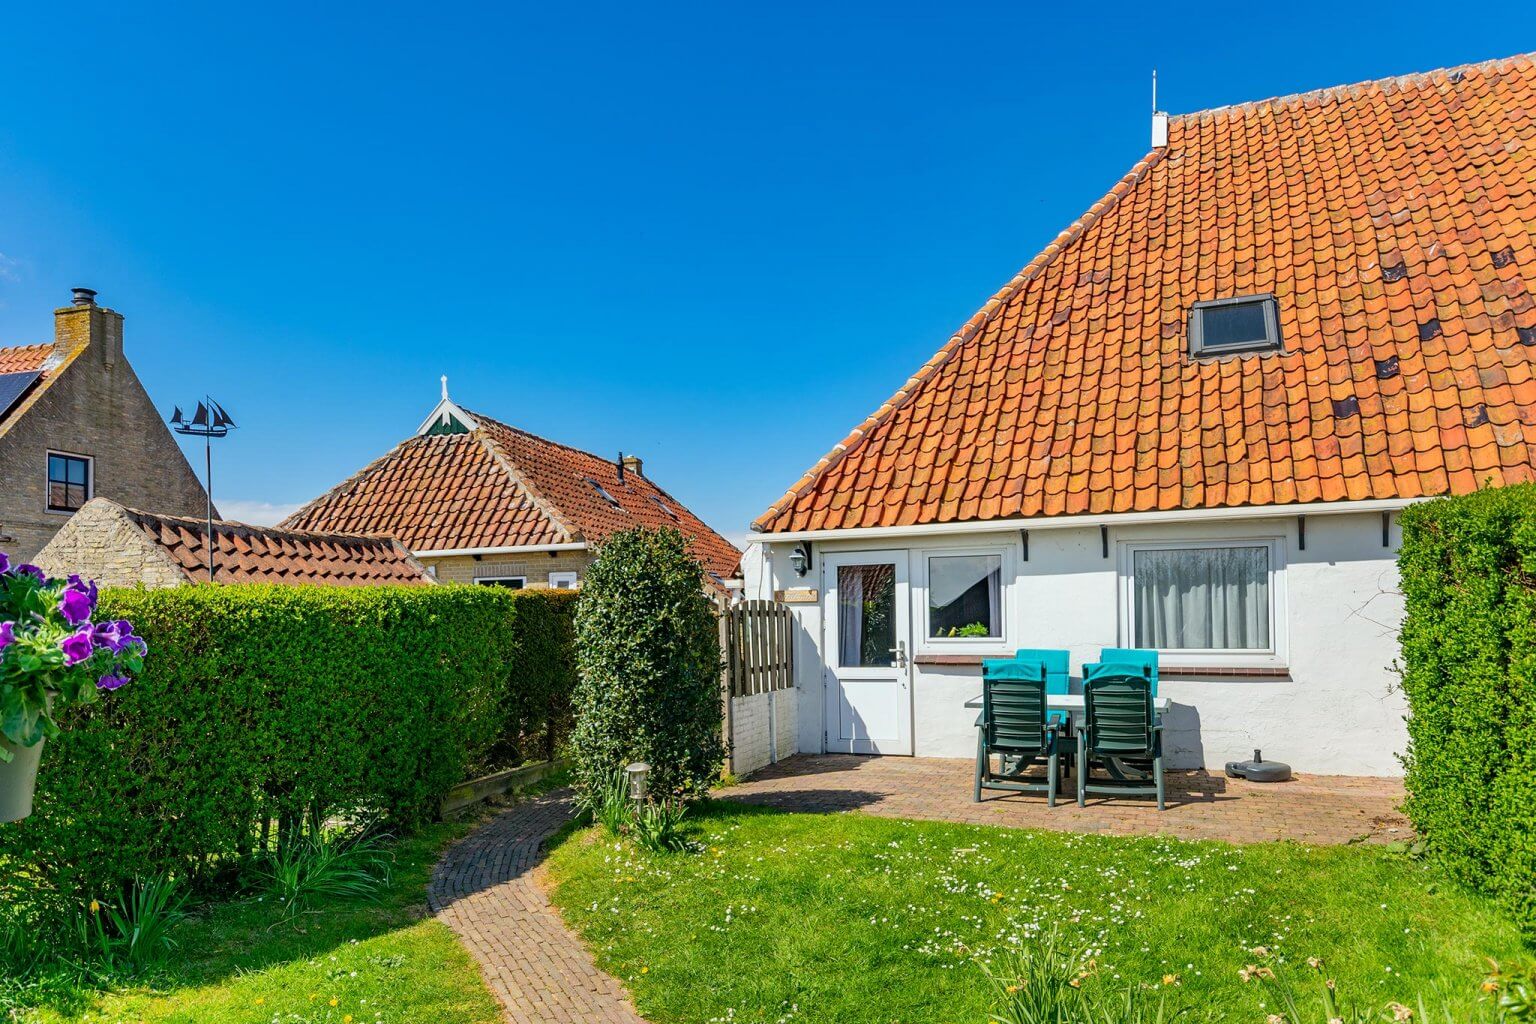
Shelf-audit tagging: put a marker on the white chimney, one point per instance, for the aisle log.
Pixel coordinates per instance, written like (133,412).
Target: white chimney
(1159,129)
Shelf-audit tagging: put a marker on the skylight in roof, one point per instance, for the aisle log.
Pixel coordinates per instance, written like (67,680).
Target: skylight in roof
(603,493)
(1246,323)
(665,508)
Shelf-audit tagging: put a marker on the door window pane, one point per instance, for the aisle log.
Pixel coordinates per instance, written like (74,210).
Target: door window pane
(866,615)
(1202,598)
(965,596)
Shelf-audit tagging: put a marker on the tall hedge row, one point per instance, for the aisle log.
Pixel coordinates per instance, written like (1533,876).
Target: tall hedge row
(1468,569)
(262,707)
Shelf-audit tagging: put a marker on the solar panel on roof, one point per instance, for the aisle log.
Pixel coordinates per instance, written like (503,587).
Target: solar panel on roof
(13,386)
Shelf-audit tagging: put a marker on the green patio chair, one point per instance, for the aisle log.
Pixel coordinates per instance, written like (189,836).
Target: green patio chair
(1137,656)
(1058,675)
(1119,725)
(1013,727)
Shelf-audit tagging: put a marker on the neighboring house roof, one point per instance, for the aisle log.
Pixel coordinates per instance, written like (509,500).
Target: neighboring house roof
(268,554)
(495,486)
(1393,221)
(19,358)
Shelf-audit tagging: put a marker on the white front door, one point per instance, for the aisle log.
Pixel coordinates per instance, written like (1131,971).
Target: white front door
(868,681)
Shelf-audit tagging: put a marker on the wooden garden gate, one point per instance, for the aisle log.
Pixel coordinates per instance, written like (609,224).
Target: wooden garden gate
(757,640)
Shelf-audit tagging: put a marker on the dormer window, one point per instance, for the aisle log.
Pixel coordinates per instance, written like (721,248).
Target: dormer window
(1248,323)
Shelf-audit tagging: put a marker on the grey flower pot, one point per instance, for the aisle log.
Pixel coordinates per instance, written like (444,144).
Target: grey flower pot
(18,780)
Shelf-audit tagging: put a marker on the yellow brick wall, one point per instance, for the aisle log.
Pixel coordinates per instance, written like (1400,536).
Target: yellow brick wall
(536,567)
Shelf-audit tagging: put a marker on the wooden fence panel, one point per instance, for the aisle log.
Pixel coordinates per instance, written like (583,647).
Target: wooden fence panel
(760,654)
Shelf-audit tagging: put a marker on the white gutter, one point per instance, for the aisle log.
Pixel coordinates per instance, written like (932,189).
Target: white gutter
(1067,522)
(526,549)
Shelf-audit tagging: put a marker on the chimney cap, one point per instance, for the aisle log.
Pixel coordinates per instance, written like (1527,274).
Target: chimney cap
(83,296)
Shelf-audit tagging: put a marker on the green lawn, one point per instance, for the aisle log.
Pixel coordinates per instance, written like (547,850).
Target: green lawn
(348,962)
(848,918)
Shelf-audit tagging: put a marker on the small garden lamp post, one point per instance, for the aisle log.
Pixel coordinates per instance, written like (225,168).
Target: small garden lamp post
(638,773)
(208,422)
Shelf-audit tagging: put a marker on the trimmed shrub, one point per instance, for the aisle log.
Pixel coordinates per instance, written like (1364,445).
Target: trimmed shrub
(262,710)
(648,656)
(1468,568)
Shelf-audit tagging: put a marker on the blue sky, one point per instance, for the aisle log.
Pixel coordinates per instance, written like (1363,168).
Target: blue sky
(716,236)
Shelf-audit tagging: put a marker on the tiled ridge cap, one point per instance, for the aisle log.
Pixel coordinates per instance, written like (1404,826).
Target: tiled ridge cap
(1349,91)
(200,525)
(519,479)
(969,330)
(346,486)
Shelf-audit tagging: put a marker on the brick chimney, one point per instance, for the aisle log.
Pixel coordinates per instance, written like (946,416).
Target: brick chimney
(83,324)
(632,464)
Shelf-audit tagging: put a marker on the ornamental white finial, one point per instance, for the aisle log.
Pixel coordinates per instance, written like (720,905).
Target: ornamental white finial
(445,387)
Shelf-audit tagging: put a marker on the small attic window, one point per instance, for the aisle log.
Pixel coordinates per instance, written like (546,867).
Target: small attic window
(665,508)
(603,493)
(1247,323)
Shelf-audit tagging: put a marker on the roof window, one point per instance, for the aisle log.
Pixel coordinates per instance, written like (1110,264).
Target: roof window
(665,508)
(603,493)
(1248,323)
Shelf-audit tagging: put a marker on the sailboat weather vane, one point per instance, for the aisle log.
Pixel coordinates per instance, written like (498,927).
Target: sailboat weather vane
(208,421)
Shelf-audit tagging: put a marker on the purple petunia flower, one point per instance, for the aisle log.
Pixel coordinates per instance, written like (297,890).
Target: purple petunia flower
(75,606)
(7,632)
(77,647)
(110,681)
(34,572)
(5,563)
(118,637)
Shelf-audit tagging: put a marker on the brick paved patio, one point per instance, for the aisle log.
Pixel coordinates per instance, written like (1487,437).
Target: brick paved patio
(1310,808)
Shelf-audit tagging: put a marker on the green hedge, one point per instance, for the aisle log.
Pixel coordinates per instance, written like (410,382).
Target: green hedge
(1468,569)
(263,707)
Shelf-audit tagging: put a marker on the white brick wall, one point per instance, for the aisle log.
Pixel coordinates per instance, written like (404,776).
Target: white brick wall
(754,744)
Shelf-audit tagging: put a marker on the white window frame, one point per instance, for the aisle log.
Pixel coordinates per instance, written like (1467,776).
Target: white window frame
(485,581)
(565,580)
(90,480)
(1274,657)
(1000,646)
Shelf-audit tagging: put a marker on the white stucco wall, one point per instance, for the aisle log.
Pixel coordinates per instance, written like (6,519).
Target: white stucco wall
(1334,710)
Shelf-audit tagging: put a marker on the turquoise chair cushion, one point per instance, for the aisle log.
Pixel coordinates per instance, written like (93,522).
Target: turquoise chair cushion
(1058,673)
(1013,668)
(1136,656)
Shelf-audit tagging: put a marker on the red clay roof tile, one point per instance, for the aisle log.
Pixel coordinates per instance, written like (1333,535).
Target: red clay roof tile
(1390,219)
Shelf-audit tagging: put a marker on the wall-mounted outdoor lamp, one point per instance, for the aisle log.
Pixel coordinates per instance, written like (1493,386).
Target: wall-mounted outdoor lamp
(800,558)
(638,773)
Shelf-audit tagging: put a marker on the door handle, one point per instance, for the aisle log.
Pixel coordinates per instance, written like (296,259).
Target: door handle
(900,650)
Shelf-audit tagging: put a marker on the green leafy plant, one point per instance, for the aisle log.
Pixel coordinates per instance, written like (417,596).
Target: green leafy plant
(265,709)
(1039,981)
(648,661)
(658,826)
(133,933)
(1468,571)
(607,801)
(328,865)
(1133,1005)
(1328,1007)
(970,629)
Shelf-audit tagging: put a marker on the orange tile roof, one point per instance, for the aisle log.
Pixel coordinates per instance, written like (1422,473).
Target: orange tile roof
(265,554)
(1395,222)
(21,358)
(498,486)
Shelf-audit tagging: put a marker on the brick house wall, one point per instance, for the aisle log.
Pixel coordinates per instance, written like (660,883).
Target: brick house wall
(94,407)
(535,567)
(103,544)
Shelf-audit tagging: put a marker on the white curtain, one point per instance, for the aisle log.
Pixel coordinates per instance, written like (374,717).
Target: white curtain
(850,615)
(951,578)
(1202,598)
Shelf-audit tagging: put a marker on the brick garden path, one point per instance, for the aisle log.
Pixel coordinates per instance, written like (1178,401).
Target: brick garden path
(484,889)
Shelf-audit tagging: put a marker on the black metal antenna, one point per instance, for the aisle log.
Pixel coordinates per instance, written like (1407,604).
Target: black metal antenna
(208,422)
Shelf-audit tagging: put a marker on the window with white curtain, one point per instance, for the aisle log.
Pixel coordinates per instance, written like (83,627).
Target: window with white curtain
(965,596)
(1219,597)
